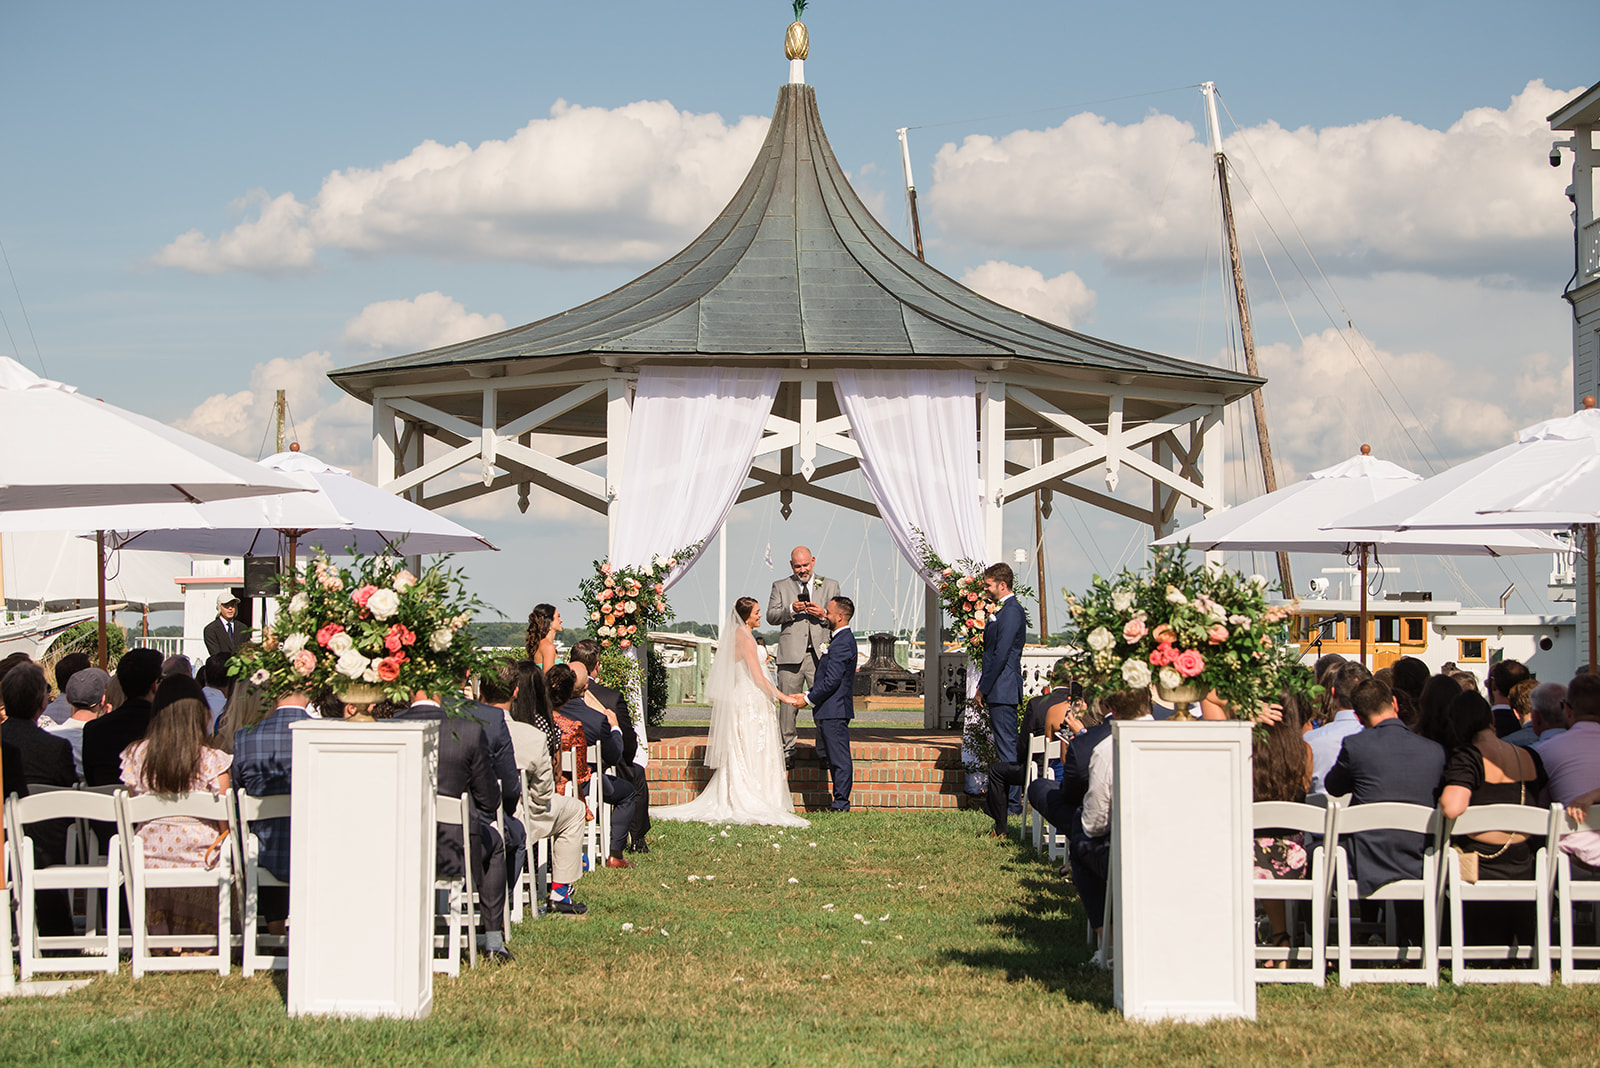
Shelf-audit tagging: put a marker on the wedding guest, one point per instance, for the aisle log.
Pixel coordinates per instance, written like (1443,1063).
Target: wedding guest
(567,683)
(1282,762)
(59,710)
(263,764)
(138,672)
(548,813)
(172,758)
(1522,708)
(1044,716)
(247,705)
(1000,686)
(1410,676)
(215,684)
(1089,851)
(222,634)
(544,623)
(1326,740)
(1549,717)
(1502,677)
(1487,770)
(86,697)
(798,607)
(634,756)
(1573,759)
(177,664)
(1466,680)
(1433,721)
(46,760)
(497,736)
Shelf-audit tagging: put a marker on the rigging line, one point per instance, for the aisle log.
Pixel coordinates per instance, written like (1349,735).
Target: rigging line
(1056,107)
(15,289)
(7,324)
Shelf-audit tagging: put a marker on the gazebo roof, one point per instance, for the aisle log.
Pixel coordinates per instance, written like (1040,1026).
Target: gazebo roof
(796,266)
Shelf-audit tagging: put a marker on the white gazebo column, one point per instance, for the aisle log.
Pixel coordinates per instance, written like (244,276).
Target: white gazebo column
(384,442)
(619,414)
(1213,470)
(992,450)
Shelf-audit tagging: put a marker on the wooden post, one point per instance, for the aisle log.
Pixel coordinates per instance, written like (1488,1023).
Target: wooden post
(1038,556)
(100,579)
(1363,551)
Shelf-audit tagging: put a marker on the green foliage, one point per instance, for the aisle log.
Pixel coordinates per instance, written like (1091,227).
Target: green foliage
(799,9)
(623,604)
(85,638)
(655,698)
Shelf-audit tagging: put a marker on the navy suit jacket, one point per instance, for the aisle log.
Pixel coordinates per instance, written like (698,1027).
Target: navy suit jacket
(1075,771)
(612,699)
(1001,682)
(498,737)
(1387,763)
(596,729)
(832,695)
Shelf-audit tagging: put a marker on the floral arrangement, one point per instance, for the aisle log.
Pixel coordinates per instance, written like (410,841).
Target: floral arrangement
(965,599)
(624,603)
(1190,631)
(371,631)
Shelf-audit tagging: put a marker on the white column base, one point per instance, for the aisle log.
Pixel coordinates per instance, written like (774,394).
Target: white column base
(797,72)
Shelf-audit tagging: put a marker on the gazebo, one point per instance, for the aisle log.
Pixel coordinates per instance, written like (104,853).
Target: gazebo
(680,380)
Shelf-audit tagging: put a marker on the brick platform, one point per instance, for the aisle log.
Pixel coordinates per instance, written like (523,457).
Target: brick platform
(894,769)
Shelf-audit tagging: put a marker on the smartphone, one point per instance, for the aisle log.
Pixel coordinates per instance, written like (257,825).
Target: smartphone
(802,599)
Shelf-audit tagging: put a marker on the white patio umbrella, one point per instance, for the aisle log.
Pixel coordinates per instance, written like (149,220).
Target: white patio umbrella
(1293,520)
(1548,479)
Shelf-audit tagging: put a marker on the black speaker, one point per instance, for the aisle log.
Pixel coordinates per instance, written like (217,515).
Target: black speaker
(261,576)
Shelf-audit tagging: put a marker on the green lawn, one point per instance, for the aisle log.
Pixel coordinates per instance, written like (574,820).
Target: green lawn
(968,952)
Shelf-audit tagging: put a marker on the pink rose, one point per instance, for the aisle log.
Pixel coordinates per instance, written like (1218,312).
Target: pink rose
(305,661)
(1164,635)
(625,643)
(389,668)
(398,638)
(594,615)
(605,569)
(1217,634)
(1133,630)
(1163,655)
(660,588)
(325,635)
(1189,663)
(364,594)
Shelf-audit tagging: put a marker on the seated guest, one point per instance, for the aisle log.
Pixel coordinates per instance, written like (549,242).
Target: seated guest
(1090,849)
(1044,716)
(1323,670)
(86,697)
(1548,719)
(1386,762)
(46,760)
(1572,762)
(1503,677)
(1433,719)
(1466,680)
(490,714)
(58,710)
(1488,770)
(1410,676)
(1522,709)
(549,814)
(1282,768)
(567,683)
(138,673)
(464,768)
(172,758)
(247,705)
(632,766)
(177,664)
(1326,739)
(215,682)
(263,766)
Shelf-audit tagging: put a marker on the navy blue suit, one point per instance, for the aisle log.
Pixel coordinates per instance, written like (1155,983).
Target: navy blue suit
(498,737)
(832,699)
(1386,762)
(1001,683)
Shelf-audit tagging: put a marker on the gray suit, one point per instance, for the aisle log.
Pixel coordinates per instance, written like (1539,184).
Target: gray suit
(800,643)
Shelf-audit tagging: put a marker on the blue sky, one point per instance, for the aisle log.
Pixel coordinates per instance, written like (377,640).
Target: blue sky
(129,126)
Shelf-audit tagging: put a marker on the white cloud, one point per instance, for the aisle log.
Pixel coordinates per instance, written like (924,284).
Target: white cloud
(426,321)
(1478,198)
(1065,300)
(586,185)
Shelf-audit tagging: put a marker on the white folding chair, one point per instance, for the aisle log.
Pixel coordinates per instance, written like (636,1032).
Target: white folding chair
(535,880)
(135,811)
(1307,820)
(1569,892)
(598,827)
(1516,819)
(261,950)
(97,952)
(460,918)
(1031,818)
(1390,816)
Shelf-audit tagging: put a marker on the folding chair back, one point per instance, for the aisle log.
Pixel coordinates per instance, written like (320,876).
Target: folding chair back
(1038,745)
(461,919)
(1312,891)
(96,952)
(247,860)
(1570,891)
(1515,819)
(1390,816)
(132,812)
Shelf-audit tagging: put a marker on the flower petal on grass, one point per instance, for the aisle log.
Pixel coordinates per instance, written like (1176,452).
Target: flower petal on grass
(627,927)
(793,881)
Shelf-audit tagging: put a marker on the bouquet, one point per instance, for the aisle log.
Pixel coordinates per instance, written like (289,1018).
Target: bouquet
(965,598)
(623,603)
(1190,631)
(368,632)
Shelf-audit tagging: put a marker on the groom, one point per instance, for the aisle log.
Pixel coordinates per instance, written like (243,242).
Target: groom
(833,700)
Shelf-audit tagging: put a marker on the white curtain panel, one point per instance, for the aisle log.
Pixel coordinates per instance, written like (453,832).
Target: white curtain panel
(691,441)
(918,432)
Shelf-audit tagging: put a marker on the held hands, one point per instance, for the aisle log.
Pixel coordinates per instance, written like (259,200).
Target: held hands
(798,700)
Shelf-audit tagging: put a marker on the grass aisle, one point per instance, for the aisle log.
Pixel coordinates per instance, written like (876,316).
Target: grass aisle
(746,948)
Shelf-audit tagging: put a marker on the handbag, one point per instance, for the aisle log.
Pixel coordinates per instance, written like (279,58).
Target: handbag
(1468,860)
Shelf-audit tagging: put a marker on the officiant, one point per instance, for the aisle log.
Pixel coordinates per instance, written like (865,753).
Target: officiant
(799,606)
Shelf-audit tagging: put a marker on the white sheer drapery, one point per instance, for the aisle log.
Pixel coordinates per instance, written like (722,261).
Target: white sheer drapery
(918,432)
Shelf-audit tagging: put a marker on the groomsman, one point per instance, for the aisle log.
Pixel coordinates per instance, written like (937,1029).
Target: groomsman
(833,700)
(1000,686)
(799,606)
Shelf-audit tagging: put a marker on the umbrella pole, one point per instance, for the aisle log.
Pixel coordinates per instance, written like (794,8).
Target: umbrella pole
(1588,529)
(1363,605)
(100,579)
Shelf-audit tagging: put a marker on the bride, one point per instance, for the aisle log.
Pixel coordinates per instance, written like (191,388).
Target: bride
(749,784)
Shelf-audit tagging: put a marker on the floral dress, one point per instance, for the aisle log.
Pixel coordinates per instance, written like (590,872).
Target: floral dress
(572,738)
(180,842)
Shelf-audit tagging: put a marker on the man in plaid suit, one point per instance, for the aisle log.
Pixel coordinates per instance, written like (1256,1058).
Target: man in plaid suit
(262,759)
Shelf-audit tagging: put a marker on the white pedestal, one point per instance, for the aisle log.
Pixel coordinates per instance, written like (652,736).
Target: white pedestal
(361,869)
(1183,913)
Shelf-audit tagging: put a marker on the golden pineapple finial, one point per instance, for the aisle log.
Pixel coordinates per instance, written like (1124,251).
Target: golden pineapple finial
(796,42)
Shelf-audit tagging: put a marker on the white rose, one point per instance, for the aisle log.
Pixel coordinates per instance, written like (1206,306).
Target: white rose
(631,607)
(658,560)
(1101,639)
(351,664)
(371,674)
(404,581)
(260,676)
(606,632)
(1258,581)
(1217,612)
(440,639)
(1238,620)
(294,643)
(1175,596)
(1170,678)
(1122,600)
(340,644)
(299,602)
(383,604)
(1136,673)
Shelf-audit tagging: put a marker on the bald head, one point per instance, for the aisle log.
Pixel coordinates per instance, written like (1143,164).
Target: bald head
(801,562)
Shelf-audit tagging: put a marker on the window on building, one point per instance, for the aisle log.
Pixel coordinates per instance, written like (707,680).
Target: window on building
(1471,650)
(1414,630)
(1386,629)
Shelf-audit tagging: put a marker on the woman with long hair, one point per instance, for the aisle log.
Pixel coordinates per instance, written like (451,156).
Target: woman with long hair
(1282,762)
(544,623)
(547,813)
(1433,720)
(247,705)
(172,758)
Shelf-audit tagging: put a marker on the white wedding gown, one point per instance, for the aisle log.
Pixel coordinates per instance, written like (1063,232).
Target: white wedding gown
(749,784)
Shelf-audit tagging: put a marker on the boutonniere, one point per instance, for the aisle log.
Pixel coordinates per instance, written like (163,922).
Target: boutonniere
(817,579)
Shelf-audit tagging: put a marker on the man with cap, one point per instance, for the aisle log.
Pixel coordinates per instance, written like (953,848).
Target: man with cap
(219,633)
(86,693)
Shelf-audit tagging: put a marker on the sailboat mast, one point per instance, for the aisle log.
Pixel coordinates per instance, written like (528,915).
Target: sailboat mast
(1241,296)
(911,193)
(280,408)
